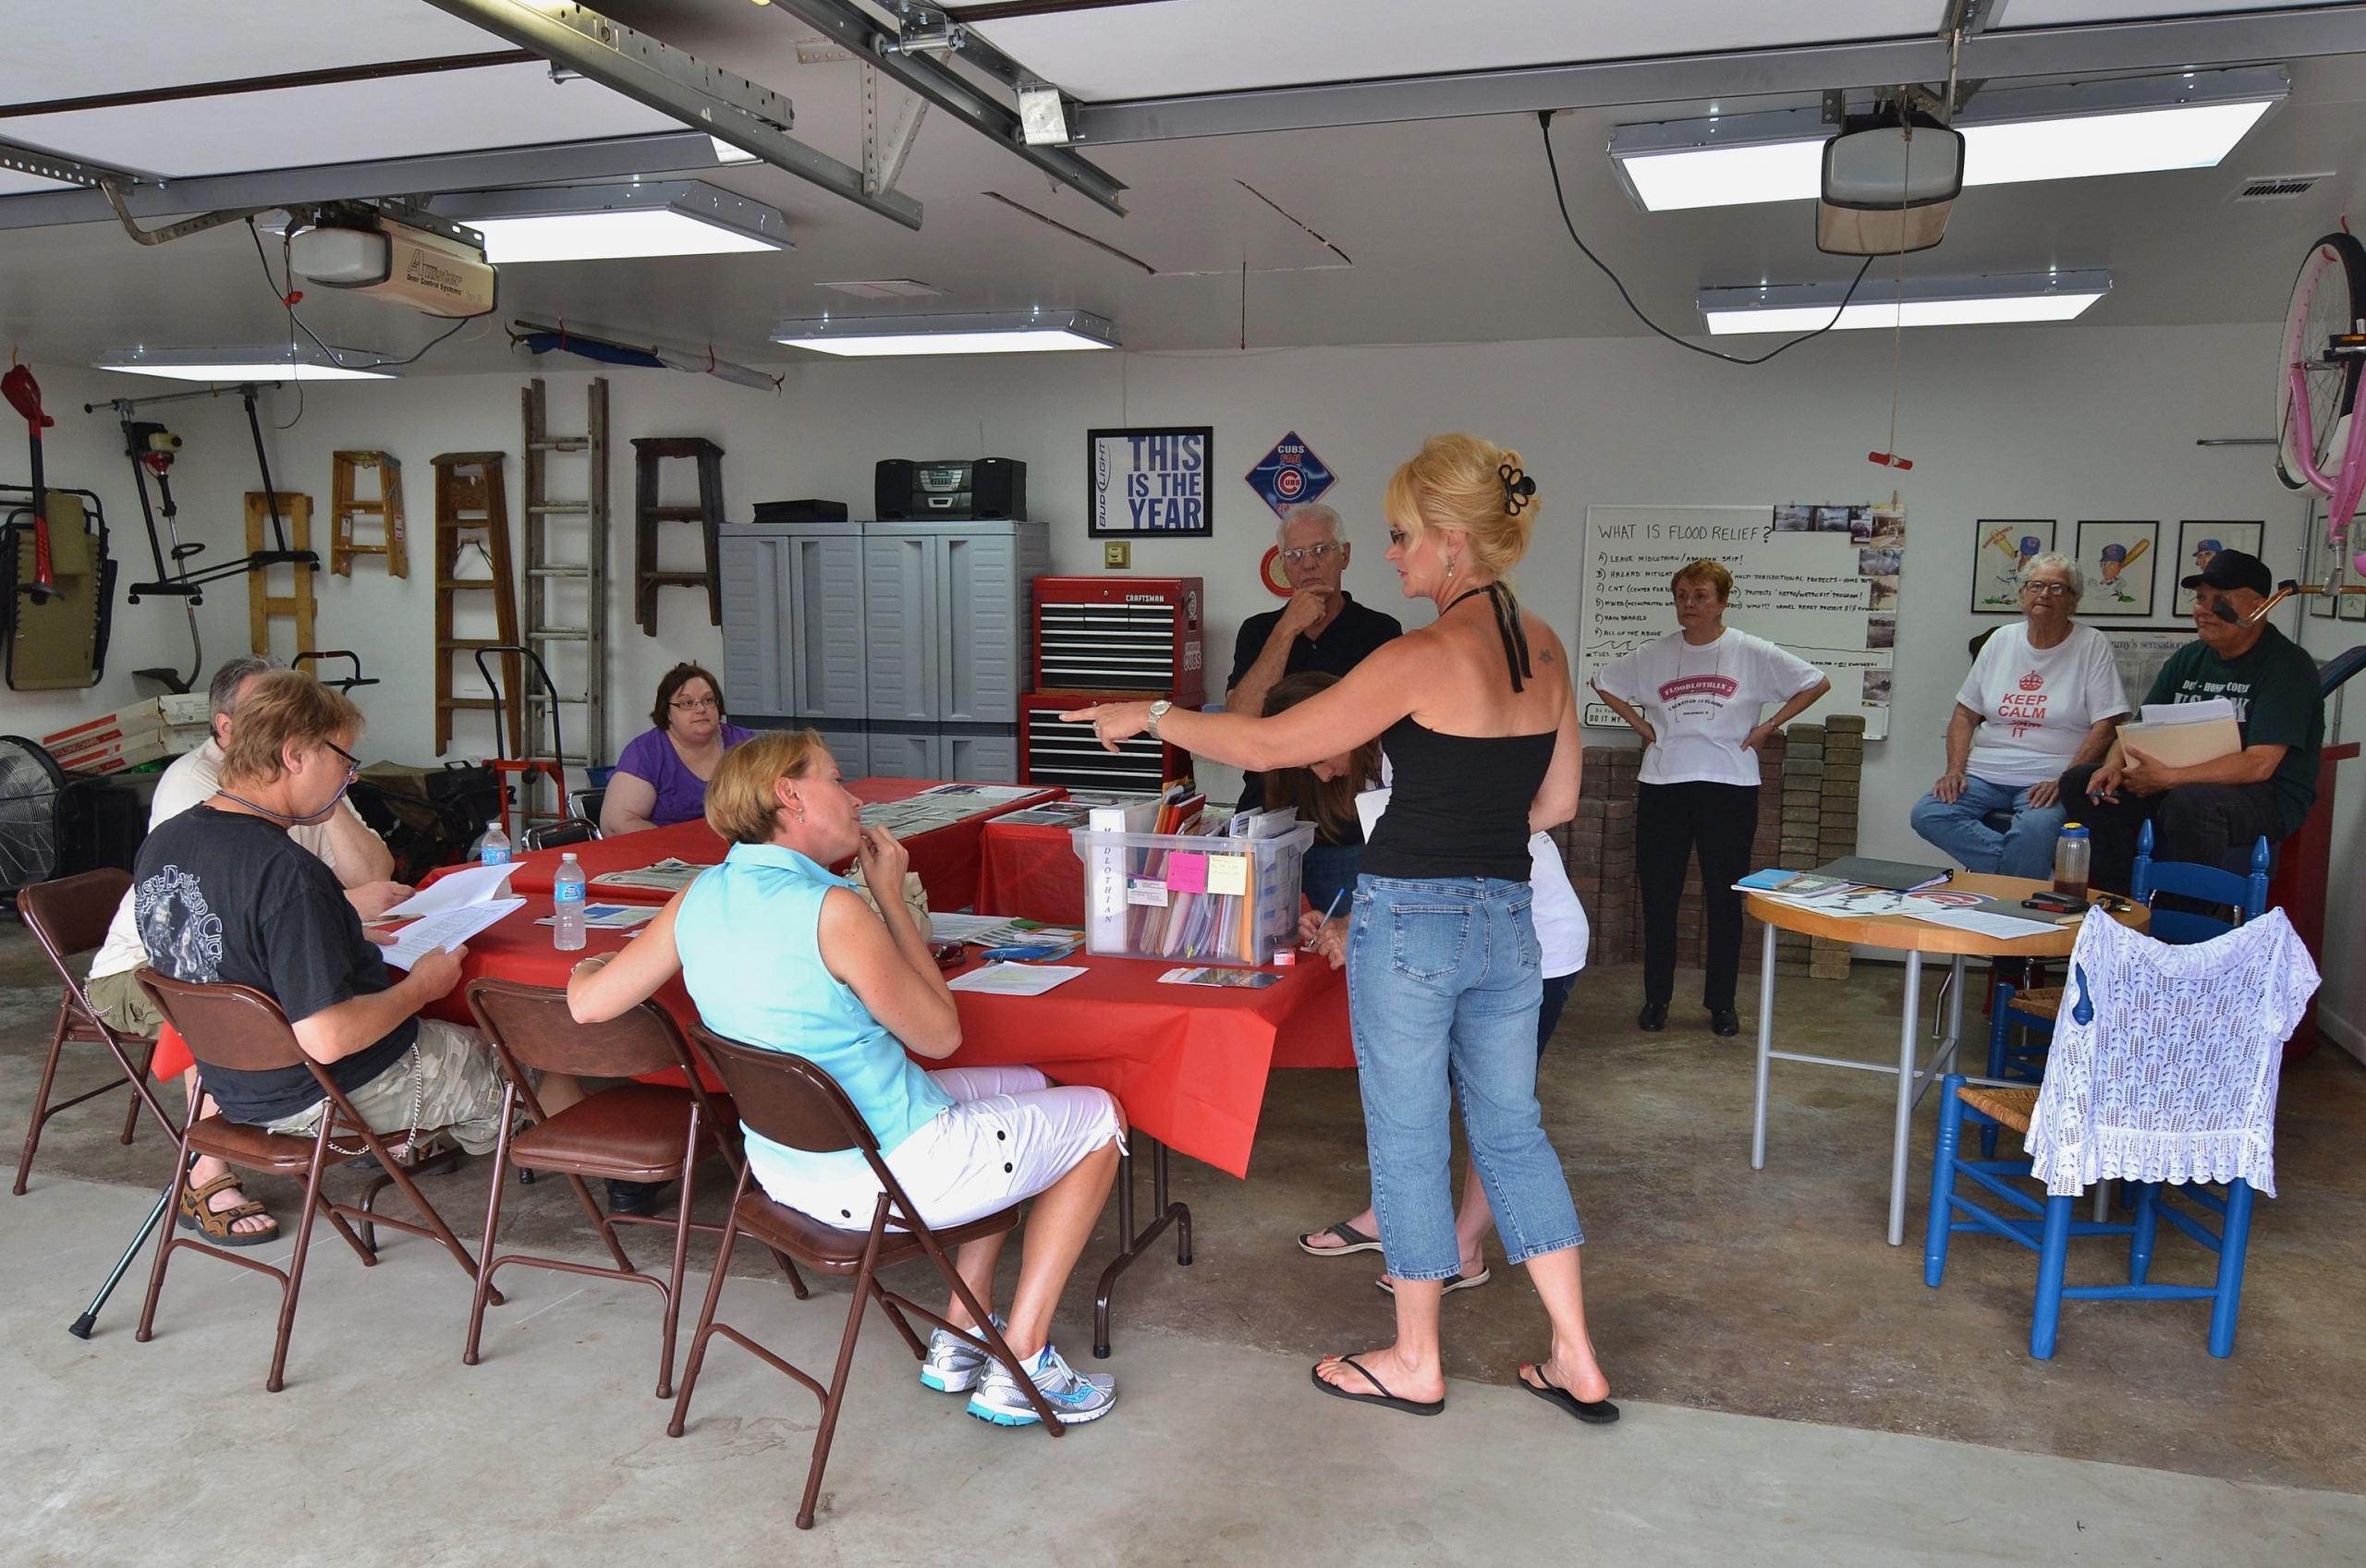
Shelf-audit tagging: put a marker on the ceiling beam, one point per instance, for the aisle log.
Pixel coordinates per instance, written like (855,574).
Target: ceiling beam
(2248,38)
(852,29)
(750,116)
(333,76)
(678,152)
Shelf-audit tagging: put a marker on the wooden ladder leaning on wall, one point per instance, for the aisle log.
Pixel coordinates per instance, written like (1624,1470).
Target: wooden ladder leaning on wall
(473,510)
(346,508)
(295,515)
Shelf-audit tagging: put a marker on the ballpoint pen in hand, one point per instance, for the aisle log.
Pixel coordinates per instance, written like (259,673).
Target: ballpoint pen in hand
(1309,946)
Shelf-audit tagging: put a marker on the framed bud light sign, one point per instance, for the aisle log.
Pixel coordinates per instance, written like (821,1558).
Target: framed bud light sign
(1147,482)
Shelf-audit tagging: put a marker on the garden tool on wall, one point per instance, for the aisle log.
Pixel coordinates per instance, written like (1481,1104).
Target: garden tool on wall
(24,396)
(151,448)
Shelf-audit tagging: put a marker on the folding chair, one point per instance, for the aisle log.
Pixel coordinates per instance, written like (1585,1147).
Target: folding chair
(635,1132)
(69,916)
(797,1105)
(241,1030)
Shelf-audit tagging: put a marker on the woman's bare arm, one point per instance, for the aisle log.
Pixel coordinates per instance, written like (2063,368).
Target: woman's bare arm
(907,995)
(1373,696)
(609,985)
(625,808)
(1556,798)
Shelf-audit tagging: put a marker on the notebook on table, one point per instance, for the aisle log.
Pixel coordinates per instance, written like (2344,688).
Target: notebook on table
(1897,876)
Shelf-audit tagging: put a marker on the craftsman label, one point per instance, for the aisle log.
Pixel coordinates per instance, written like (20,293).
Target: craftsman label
(1290,475)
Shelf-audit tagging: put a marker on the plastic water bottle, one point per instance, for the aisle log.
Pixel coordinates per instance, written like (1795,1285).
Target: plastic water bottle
(493,848)
(567,898)
(2071,852)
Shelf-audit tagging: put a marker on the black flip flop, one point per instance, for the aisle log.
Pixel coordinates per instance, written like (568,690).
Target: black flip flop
(1594,1412)
(1384,1398)
(1353,1240)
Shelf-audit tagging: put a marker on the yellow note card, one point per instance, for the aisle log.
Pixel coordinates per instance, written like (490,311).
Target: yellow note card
(1229,873)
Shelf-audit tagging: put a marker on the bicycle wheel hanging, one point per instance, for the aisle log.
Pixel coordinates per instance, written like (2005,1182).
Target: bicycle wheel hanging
(2328,299)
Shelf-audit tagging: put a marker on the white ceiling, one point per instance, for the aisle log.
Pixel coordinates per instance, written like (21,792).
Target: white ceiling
(52,49)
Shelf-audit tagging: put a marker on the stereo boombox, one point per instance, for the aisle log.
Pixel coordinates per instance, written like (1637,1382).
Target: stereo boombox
(960,488)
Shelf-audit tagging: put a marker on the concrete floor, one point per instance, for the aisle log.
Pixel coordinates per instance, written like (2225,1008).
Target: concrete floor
(1719,1297)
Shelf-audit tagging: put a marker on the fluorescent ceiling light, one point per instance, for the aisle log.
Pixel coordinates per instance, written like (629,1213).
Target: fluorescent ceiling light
(992,331)
(1929,302)
(587,223)
(2190,121)
(228,365)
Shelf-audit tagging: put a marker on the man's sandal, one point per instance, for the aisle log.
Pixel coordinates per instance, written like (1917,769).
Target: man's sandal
(215,1223)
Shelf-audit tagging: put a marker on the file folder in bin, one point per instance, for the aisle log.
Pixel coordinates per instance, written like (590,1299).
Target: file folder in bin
(1206,898)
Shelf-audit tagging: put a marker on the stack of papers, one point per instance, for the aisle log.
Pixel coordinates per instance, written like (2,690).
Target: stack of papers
(444,916)
(669,875)
(610,916)
(1016,980)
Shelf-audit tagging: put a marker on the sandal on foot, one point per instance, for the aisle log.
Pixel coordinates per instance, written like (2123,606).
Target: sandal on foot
(197,1214)
(1451,1284)
(1350,1240)
(1593,1412)
(1384,1398)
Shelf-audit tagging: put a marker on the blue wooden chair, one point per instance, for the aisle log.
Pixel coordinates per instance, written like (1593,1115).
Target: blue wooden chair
(2046,1223)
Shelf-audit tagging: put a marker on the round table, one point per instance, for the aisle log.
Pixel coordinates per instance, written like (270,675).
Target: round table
(1914,938)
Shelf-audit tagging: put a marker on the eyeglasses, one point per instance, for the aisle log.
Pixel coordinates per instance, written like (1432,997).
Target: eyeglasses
(1399,538)
(352,763)
(2050,590)
(694,704)
(1311,553)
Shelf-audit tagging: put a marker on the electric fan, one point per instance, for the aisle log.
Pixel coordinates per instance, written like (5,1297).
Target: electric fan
(32,800)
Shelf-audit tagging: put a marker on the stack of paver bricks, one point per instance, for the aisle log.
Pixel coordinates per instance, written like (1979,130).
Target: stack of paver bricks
(1599,848)
(1844,771)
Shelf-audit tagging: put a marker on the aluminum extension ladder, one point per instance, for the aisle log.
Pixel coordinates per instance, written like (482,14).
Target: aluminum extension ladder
(566,591)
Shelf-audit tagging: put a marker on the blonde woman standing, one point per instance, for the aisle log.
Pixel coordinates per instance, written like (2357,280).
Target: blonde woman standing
(1478,717)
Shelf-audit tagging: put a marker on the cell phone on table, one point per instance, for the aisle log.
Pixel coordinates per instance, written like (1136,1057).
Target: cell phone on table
(2053,902)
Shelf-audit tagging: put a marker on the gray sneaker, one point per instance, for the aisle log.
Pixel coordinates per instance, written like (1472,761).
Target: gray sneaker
(1077,1397)
(954,1364)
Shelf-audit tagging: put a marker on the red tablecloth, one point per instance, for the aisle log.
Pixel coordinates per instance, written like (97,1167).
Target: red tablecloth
(1032,869)
(1188,1062)
(945,857)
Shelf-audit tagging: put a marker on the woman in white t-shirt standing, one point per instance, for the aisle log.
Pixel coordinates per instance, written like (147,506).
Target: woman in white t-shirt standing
(2042,697)
(1695,697)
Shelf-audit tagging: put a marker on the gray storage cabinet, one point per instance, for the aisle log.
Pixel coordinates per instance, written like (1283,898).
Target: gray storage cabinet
(793,629)
(946,607)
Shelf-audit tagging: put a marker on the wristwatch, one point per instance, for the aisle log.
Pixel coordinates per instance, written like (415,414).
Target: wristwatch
(1157,712)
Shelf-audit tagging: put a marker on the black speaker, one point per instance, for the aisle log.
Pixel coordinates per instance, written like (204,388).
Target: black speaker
(800,511)
(956,489)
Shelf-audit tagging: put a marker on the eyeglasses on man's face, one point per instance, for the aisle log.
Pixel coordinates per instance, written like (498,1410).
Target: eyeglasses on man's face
(352,763)
(2048,589)
(1315,553)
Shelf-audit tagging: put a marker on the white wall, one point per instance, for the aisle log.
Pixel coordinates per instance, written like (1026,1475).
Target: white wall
(2001,422)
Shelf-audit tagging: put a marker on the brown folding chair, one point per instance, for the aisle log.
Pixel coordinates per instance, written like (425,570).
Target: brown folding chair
(242,1029)
(69,917)
(634,1132)
(797,1105)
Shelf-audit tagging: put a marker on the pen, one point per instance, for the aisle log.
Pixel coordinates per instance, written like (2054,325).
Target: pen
(1309,947)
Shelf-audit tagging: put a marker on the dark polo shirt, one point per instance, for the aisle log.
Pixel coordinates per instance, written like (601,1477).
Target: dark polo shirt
(1347,642)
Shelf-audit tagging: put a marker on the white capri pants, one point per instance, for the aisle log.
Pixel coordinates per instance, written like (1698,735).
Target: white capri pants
(1009,1136)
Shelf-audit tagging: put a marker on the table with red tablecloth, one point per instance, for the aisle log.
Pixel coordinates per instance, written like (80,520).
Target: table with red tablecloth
(1031,869)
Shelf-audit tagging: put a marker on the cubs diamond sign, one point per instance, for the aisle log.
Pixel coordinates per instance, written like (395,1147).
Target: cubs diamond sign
(1290,475)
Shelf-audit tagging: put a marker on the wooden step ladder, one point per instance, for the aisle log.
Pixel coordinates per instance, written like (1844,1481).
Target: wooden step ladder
(295,514)
(648,453)
(567,595)
(346,508)
(472,509)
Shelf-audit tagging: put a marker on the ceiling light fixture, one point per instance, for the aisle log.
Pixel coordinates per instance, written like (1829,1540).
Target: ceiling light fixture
(228,366)
(636,218)
(2011,135)
(985,331)
(1929,302)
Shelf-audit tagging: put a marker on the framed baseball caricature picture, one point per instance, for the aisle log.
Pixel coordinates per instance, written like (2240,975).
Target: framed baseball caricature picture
(2197,543)
(2118,559)
(2005,548)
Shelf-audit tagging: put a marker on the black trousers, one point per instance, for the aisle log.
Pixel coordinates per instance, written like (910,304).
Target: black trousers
(1671,821)
(2205,823)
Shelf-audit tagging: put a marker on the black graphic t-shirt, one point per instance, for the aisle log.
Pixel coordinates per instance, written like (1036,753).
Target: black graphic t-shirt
(2274,688)
(222,896)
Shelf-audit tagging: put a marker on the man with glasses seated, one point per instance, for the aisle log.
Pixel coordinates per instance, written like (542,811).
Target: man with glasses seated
(1321,627)
(225,895)
(2043,697)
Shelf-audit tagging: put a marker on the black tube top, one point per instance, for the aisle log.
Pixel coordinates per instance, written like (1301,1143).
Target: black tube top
(1460,804)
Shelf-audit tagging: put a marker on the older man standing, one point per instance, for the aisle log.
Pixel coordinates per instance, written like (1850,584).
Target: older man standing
(2213,811)
(1321,627)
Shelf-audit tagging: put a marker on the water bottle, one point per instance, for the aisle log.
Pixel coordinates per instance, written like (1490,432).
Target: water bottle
(567,898)
(2070,855)
(493,848)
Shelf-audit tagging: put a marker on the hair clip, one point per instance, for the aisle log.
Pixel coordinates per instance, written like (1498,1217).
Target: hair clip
(1519,489)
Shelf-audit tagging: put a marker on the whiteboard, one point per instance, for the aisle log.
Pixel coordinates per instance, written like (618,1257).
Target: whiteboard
(1824,584)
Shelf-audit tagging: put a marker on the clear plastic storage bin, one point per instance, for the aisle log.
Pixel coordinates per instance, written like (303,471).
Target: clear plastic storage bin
(1204,898)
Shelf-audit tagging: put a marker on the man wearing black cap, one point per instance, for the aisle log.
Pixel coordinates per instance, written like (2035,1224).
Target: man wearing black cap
(2213,811)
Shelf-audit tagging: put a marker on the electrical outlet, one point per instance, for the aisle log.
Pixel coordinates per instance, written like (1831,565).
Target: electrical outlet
(1117,555)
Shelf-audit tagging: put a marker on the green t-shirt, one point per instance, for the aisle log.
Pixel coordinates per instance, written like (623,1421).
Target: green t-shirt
(2274,688)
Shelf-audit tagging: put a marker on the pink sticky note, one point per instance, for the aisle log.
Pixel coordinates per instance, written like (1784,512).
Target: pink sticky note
(1187,873)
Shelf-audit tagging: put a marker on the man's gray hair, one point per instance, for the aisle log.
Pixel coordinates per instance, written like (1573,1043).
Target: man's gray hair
(2054,560)
(1312,512)
(222,697)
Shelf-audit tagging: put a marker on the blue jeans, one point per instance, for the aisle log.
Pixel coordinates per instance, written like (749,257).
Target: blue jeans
(1442,993)
(2025,849)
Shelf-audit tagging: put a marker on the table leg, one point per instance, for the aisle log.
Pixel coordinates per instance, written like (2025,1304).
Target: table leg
(1765,1045)
(1909,1036)
(1133,1244)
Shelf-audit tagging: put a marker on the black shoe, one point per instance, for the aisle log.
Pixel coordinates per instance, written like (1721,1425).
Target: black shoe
(634,1197)
(1723,1021)
(1653,1018)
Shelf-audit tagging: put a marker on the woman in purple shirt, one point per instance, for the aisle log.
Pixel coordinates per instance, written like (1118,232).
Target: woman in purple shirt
(661,777)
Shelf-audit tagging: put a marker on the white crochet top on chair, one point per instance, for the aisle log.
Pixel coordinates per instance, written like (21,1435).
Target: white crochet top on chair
(2173,1079)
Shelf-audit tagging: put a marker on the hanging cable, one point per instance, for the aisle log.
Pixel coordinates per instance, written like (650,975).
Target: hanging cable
(288,295)
(1545,123)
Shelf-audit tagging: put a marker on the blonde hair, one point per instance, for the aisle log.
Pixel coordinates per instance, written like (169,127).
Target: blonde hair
(1457,481)
(285,708)
(1713,573)
(742,799)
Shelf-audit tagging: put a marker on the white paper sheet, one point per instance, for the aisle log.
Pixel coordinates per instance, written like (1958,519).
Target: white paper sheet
(446,931)
(474,886)
(2005,927)
(669,875)
(1016,980)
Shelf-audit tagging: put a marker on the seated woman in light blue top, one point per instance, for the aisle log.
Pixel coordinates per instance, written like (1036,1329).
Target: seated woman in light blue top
(778,952)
